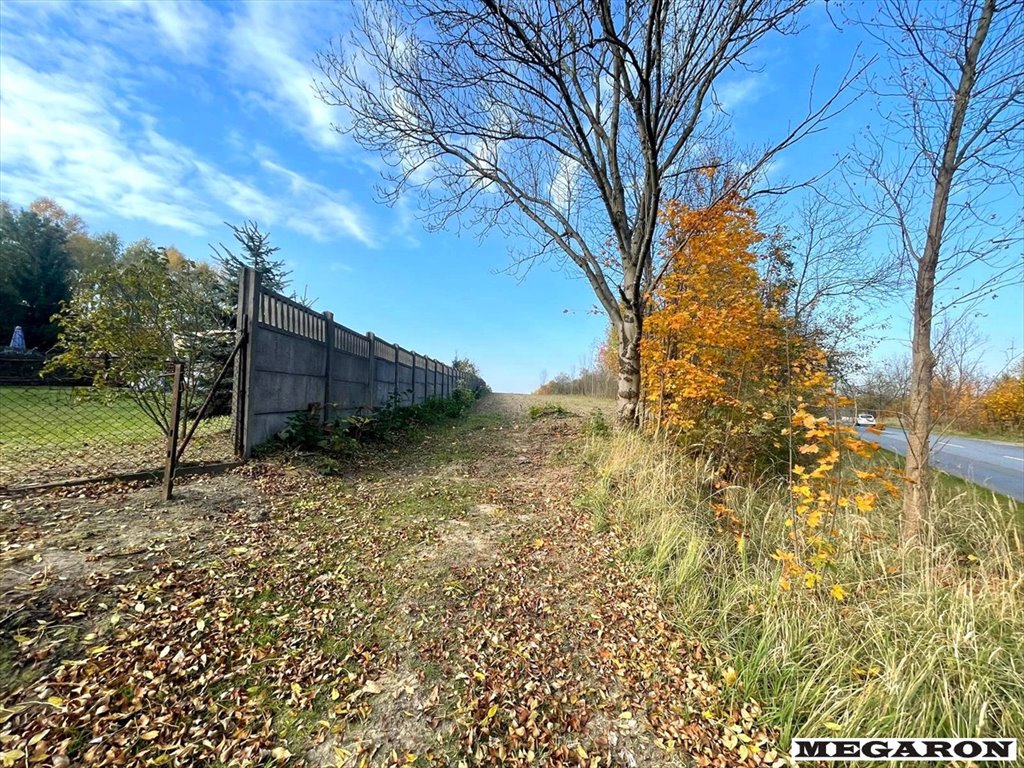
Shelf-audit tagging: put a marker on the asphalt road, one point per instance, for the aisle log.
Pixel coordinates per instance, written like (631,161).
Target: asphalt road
(990,464)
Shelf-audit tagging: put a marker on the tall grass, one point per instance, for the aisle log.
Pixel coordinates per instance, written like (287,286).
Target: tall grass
(927,643)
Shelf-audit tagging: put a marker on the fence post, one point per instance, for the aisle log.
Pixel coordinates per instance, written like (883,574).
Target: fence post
(413,379)
(433,387)
(252,316)
(371,372)
(238,395)
(396,397)
(249,284)
(328,365)
(171,461)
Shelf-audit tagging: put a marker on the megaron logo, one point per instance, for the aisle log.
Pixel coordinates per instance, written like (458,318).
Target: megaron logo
(905,749)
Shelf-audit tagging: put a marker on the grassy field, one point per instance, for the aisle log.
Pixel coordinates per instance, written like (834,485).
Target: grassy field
(56,433)
(69,416)
(927,642)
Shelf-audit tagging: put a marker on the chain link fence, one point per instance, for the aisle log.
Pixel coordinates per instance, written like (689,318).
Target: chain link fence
(56,430)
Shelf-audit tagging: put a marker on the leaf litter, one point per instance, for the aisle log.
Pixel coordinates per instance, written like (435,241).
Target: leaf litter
(443,605)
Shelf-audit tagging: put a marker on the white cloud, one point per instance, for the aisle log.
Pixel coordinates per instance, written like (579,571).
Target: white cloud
(325,214)
(79,121)
(270,55)
(732,93)
(61,139)
(73,140)
(187,27)
(562,190)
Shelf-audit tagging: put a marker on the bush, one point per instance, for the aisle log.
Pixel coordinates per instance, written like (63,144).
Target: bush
(344,435)
(547,409)
(303,431)
(597,425)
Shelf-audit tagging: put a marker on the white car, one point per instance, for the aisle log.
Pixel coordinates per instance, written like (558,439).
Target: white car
(865,420)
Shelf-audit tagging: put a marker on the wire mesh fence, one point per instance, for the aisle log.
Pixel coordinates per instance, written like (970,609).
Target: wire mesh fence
(59,430)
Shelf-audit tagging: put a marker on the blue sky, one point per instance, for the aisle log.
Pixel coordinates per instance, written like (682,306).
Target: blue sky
(165,119)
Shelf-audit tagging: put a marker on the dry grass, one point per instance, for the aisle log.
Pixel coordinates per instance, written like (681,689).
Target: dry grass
(928,643)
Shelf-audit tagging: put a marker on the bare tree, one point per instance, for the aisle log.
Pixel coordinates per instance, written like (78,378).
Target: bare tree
(882,388)
(949,149)
(567,121)
(959,378)
(835,278)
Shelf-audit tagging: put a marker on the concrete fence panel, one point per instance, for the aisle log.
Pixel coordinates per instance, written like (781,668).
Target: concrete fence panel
(297,360)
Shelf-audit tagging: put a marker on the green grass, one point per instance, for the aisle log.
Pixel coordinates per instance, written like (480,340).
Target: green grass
(928,642)
(69,416)
(948,487)
(541,410)
(50,434)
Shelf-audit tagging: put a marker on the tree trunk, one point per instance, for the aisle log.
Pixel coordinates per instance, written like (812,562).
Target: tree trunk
(628,410)
(919,427)
(915,501)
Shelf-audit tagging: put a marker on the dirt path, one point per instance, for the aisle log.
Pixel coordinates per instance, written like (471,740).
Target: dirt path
(441,602)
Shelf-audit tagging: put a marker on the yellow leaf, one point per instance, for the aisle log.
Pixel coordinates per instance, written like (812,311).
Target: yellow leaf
(10,757)
(582,752)
(837,592)
(626,715)
(865,501)
(767,415)
(833,726)
(149,735)
(280,753)
(200,624)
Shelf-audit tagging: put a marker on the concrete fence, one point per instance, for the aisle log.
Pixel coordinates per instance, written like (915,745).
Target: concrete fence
(296,359)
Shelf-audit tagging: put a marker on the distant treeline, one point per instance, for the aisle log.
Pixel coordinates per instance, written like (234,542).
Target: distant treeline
(595,376)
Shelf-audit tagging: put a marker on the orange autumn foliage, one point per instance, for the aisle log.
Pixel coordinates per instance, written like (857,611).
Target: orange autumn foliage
(1003,404)
(705,337)
(714,351)
(728,372)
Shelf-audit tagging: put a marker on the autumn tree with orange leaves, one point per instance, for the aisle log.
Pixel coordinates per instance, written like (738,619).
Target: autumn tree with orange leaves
(730,372)
(717,350)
